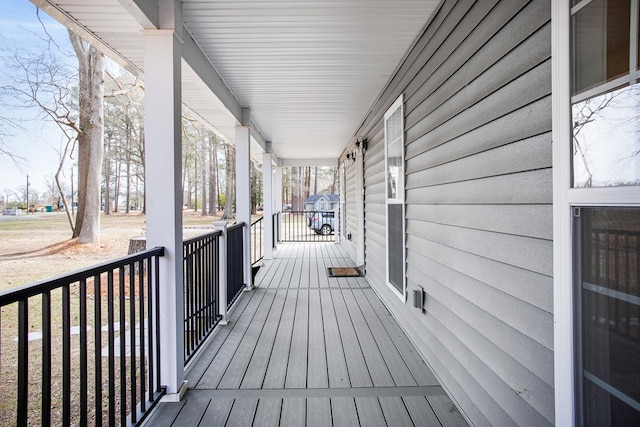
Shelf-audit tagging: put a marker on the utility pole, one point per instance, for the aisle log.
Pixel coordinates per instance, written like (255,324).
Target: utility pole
(27,194)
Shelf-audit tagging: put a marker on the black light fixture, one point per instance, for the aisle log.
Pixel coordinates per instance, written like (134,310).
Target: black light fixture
(362,142)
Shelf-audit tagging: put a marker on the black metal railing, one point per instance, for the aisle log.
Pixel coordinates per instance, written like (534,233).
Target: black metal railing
(308,226)
(275,229)
(235,268)
(98,354)
(257,232)
(201,290)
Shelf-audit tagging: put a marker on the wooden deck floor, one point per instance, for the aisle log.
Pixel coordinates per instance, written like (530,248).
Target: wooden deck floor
(307,349)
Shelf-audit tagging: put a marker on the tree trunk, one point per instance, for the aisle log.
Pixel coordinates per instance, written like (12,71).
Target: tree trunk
(295,189)
(230,196)
(315,180)
(107,176)
(116,186)
(90,139)
(128,178)
(203,171)
(307,182)
(213,159)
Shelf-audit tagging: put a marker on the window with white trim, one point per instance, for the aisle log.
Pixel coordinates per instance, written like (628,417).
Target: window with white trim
(605,173)
(394,180)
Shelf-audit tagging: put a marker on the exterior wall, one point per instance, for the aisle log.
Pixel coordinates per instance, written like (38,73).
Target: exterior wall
(478,155)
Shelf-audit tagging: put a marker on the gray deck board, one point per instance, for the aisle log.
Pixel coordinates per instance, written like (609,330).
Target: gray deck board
(318,412)
(242,413)
(399,371)
(336,361)
(344,412)
(214,373)
(369,412)
(317,371)
(293,411)
(416,365)
(238,364)
(277,368)
(297,367)
(190,414)
(217,412)
(446,411)
(257,367)
(165,414)
(303,348)
(420,411)
(268,412)
(358,371)
(376,364)
(394,409)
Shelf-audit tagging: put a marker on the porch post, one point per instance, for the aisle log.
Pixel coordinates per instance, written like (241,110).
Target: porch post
(267,197)
(277,208)
(359,165)
(163,167)
(243,191)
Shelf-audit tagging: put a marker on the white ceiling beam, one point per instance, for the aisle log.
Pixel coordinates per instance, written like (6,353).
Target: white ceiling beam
(146,12)
(308,162)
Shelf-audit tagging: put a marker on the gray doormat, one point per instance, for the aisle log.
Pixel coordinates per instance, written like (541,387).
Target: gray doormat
(344,272)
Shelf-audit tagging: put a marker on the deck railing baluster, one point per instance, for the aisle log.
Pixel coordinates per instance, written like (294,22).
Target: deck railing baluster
(80,358)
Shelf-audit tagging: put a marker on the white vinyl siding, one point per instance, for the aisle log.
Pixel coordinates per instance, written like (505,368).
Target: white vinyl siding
(479,219)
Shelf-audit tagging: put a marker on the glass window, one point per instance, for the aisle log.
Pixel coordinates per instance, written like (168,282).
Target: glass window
(607,242)
(606,94)
(395,148)
(601,32)
(394,160)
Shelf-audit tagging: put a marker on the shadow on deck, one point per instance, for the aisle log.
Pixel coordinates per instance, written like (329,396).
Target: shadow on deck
(307,349)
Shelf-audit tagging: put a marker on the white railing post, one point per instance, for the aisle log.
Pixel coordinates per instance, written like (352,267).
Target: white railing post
(267,209)
(222,272)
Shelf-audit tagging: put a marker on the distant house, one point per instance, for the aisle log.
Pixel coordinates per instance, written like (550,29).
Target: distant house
(322,202)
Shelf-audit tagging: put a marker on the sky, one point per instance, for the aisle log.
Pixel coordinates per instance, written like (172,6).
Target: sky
(36,142)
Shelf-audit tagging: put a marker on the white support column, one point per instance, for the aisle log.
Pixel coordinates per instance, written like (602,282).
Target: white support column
(277,202)
(359,165)
(222,269)
(243,195)
(163,168)
(267,197)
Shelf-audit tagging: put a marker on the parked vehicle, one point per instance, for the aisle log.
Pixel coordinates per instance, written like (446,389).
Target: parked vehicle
(322,222)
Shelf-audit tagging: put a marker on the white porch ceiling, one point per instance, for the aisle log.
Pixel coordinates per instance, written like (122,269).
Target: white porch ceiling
(308,70)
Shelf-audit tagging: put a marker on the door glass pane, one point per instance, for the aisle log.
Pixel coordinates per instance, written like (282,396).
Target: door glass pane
(608,243)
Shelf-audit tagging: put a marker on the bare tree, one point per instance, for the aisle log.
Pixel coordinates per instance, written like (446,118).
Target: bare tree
(213,173)
(90,139)
(230,156)
(203,170)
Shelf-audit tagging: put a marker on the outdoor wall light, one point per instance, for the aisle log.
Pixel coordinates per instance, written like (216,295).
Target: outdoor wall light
(362,142)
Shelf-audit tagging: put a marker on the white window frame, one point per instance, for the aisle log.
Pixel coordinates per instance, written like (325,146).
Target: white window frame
(399,199)
(564,199)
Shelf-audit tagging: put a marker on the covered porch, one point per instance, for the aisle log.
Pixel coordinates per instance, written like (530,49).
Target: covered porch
(306,346)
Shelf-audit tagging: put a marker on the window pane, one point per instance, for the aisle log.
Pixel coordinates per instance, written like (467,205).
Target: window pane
(395,244)
(606,139)
(394,156)
(609,286)
(601,32)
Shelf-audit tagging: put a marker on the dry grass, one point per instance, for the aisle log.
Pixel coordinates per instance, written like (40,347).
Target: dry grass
(36,248)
